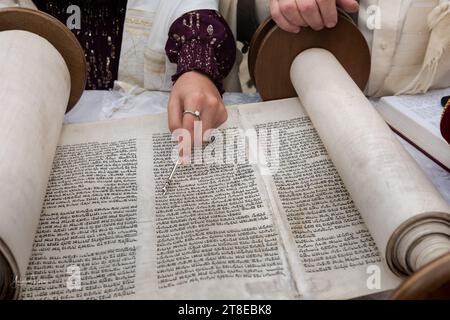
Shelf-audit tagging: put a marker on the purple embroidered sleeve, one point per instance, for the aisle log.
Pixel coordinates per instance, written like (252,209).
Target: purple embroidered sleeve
(202,41)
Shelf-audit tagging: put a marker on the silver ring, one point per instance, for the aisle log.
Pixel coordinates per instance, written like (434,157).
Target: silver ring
(195,113)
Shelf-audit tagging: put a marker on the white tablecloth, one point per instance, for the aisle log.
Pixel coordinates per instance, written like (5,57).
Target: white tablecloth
(106,105)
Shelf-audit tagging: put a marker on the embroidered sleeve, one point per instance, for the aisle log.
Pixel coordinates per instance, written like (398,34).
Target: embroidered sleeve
(202,41)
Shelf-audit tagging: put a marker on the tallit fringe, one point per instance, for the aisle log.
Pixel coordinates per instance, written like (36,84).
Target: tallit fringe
(439,25)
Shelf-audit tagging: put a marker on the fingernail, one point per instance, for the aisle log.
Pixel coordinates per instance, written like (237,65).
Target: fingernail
(331,24)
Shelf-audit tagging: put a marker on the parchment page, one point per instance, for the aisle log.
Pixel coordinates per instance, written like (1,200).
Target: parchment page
(331,253)
(108,232)
(34,92)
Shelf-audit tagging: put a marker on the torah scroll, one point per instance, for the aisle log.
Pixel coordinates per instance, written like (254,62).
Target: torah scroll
(42,72)
(407,217)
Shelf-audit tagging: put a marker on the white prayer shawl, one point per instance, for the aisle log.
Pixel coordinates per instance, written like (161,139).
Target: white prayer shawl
(410,45)
(143,60)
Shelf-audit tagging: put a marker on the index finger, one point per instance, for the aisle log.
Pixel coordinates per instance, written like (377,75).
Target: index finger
(281,21)
(328,11)
(175,113)
(191,124)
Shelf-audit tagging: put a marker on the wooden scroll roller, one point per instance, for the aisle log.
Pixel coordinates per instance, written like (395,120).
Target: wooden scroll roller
(406,216)
(19,25)
(42,75)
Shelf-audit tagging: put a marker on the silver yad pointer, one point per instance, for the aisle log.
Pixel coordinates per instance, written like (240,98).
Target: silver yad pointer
(169,180)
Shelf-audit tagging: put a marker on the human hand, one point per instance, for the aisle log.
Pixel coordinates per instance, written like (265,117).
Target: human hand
(291,15)
(194,91)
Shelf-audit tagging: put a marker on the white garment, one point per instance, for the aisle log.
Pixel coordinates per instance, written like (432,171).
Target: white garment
(410,46)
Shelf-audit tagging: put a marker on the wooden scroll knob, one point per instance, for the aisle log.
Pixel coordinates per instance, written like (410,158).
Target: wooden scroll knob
(58,35)
(430,282)
(273,50)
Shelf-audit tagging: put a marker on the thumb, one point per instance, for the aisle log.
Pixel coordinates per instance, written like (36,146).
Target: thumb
(348,5)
